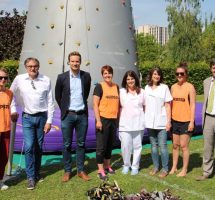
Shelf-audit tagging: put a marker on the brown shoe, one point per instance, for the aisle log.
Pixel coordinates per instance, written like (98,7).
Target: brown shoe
(84,176)
(66,177)
(202,178)
(163,174)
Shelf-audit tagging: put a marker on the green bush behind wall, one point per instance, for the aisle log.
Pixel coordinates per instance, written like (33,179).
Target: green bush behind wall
(197,73)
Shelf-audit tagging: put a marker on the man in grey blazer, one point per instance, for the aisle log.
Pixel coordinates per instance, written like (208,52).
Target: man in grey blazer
(208,123)
(71,93)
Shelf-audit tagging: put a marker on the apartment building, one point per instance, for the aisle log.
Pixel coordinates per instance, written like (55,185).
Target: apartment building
(160,33)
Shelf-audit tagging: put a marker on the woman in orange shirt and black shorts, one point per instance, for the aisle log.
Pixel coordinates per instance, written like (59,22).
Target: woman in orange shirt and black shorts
(5,100)
(183,115)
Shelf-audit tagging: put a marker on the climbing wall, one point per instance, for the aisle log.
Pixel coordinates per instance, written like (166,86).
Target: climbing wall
(101,30)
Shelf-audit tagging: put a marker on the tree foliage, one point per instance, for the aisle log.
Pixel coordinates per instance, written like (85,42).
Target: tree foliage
(147,47)
(208,42)
(185,30)
(11,34)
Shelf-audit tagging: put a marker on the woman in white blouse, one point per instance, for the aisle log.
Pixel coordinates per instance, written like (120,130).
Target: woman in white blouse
(158,119)
(131,123)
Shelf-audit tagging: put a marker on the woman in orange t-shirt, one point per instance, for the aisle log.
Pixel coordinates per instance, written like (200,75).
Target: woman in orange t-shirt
(183,115)
(5,101)
(106,109)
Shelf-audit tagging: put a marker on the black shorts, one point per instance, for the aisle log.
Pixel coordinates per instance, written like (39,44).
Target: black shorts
(180,128)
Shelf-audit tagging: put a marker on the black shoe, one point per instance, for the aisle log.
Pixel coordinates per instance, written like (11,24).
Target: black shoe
(31,184)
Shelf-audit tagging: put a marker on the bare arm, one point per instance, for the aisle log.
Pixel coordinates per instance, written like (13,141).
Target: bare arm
(168,114)
(96,101)
(192,96)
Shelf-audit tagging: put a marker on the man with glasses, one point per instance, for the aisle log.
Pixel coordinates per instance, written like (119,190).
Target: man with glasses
(208,119)
(32,91)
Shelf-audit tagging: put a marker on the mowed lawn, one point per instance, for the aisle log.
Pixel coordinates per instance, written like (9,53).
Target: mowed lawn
(52,188)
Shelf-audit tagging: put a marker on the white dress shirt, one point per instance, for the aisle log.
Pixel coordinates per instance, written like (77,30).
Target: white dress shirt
(155,111)
(34,96)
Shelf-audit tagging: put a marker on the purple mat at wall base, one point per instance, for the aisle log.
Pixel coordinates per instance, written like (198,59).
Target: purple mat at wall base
(53,140)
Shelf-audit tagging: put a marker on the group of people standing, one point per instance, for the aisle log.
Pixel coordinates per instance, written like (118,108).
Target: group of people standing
(130,108)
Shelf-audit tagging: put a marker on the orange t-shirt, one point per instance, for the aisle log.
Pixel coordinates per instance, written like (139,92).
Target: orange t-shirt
(5,101)
(109,103)
(180,105)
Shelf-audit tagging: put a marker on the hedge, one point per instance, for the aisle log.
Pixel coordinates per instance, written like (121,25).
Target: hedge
(197,73)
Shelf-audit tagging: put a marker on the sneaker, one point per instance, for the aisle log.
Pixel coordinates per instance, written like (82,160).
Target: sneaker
(3,186)
(134,172)
(31,184)
(125,169)
(102,175)
(39,179)
(109,170)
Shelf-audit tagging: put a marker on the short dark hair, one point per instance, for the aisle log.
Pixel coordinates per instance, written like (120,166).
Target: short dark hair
(149,77)
(212,62)
(74,53)
(107,68)
(184,66)
(32,58)
(136,78)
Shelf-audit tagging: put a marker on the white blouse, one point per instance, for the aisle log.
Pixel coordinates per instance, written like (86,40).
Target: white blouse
(155,111)
(131,114)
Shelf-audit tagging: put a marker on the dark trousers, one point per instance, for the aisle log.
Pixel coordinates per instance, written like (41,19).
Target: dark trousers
(105,139)
(80,124)
(4,151)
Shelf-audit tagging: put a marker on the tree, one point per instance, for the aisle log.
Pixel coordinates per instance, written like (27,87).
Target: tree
(208,42)
(185,30)
(11,34)
(147,47)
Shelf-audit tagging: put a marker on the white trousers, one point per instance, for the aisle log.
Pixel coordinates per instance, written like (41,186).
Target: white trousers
(131,142)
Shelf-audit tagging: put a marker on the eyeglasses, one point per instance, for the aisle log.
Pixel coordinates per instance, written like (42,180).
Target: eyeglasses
(4,77)
(33,86)
(32,66)
(179,73)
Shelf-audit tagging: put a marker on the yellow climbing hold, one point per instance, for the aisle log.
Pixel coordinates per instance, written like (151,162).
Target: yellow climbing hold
(51,26)
(87,63)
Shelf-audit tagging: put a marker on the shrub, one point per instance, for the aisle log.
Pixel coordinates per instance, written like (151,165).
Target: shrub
(197,73)
(12,67)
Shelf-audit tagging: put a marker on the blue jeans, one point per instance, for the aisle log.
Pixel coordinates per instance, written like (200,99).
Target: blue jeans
(33,126)
(158,139)
(80,124)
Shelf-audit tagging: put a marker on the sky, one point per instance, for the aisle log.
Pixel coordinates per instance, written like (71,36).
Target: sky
(144,11)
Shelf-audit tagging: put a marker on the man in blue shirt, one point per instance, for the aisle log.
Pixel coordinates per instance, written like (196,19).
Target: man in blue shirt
(71,93)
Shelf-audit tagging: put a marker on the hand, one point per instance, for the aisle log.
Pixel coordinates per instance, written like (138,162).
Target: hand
(99,125)
(14,117)
(47,128)
(191,127)
(168,126)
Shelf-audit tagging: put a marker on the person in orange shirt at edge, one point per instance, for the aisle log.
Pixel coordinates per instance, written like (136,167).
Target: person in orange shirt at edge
(106,108)
(5,118)
(183,115)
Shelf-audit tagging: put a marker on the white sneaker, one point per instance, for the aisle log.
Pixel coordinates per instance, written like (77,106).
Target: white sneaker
(3,186)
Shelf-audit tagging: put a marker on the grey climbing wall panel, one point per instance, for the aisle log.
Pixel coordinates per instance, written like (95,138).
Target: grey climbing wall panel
(101,30)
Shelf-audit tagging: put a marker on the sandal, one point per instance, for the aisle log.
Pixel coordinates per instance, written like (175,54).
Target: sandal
(153,172)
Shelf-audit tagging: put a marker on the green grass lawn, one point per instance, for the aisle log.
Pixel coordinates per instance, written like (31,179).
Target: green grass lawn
(200,98)
(52,188)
